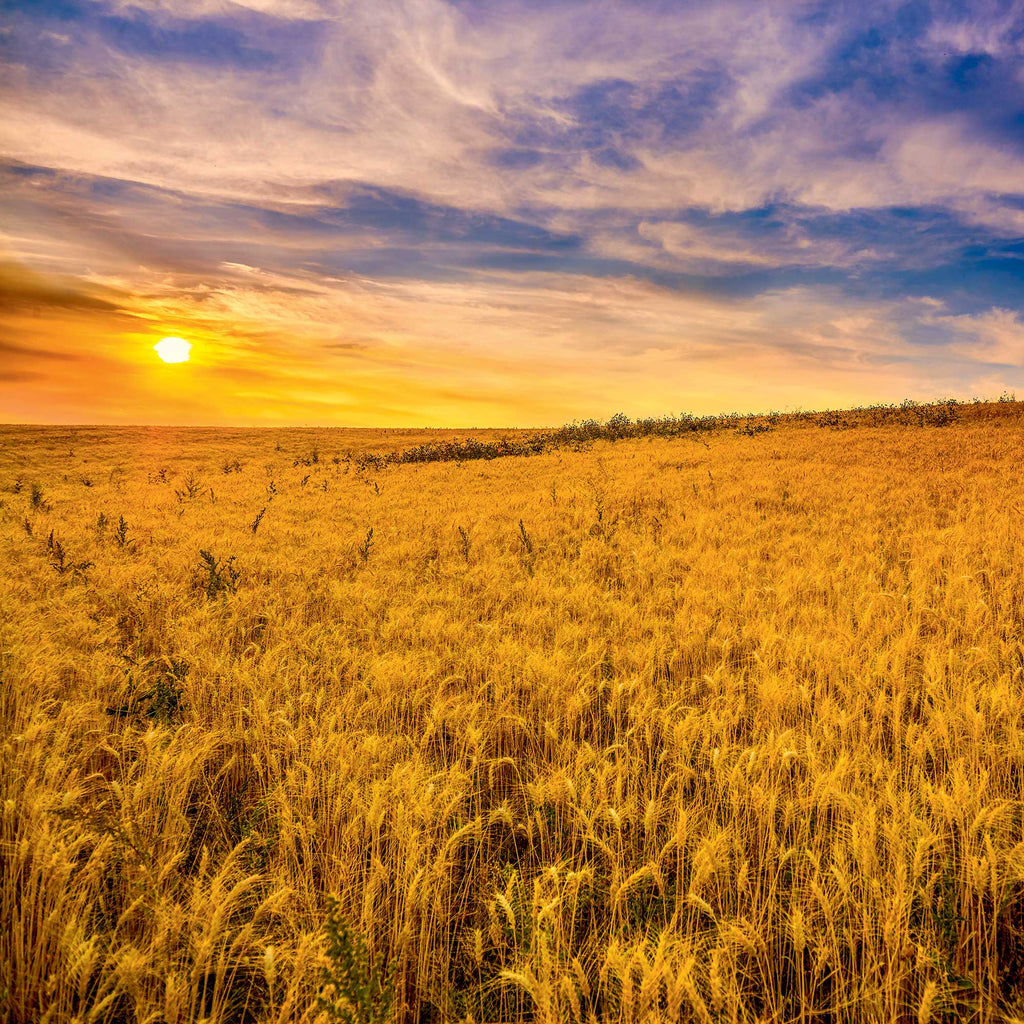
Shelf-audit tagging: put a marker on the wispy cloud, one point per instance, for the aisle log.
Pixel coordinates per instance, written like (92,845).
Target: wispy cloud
(497,209)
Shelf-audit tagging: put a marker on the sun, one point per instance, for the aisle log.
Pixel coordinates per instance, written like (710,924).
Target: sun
(173,350)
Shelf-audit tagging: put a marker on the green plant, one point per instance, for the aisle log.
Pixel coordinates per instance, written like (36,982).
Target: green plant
(464,543)
(121,533)
(37,500)
(618,426)
(357,988)
(312,459)
(164,701)
(367,545)
(255,524)
(59,558)
(525,537)
(161,701)
(257,829)
(221,576)
(191,489)
(530,553)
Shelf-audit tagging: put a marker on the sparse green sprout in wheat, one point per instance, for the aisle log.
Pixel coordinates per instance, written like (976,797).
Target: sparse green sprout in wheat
(530,555)
(525,538)
(367,545)
(221,576)
(59,558)
(357,988)
(152,690)
(192,486)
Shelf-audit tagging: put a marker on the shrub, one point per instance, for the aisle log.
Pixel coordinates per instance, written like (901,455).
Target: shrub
(220,577)
(357,988)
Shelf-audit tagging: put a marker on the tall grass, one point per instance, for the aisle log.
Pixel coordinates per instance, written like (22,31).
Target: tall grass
(716,729)
(579,435)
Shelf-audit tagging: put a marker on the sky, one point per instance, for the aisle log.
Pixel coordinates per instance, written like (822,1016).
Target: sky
(489,213)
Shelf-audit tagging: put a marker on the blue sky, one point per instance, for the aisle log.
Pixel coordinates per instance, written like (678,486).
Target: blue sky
(507,213)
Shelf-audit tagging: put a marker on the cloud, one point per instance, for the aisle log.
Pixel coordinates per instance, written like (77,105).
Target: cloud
(306,181)
(995,337)
(491,108)
(22,289)
(11,351)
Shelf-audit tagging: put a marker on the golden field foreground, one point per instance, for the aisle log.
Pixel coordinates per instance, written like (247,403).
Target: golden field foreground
(714,728)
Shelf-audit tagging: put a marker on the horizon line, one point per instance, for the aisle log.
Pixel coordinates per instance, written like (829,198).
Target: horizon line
(1006,398)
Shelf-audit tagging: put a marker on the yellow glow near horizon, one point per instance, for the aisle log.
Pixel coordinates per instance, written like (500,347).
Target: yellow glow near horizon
(173,350)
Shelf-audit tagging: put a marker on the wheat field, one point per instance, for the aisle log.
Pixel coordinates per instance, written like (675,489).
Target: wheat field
(713,729)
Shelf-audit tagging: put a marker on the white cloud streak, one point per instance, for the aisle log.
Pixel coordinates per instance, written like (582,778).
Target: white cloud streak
(416,94)
(608,123)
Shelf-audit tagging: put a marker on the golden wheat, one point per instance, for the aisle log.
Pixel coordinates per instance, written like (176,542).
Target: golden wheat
(662,733)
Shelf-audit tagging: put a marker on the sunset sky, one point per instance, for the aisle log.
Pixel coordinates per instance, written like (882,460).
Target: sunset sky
(502,213)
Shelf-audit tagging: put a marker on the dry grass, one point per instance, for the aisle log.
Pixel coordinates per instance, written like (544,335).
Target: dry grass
(662,733)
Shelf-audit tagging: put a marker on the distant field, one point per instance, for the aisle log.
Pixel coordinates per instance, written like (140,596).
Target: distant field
(720,727)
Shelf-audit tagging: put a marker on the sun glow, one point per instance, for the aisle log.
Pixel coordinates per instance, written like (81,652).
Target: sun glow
(173,350)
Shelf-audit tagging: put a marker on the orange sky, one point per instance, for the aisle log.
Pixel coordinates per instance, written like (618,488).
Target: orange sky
(435,213)
(454,354)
